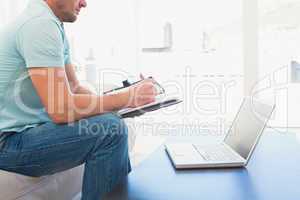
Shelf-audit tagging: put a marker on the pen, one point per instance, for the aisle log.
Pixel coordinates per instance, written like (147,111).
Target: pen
(162,90)
(126,84)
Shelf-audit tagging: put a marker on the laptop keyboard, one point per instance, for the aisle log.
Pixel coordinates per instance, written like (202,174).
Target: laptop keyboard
(216,153)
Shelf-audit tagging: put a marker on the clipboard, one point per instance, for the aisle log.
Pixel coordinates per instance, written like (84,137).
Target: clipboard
(135,112)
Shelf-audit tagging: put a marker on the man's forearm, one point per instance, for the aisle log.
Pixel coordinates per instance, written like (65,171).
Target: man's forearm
(80,106)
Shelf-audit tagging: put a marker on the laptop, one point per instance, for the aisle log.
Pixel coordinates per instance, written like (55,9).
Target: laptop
(236,148)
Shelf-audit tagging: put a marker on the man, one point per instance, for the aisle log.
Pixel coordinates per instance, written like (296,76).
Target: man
(48,122)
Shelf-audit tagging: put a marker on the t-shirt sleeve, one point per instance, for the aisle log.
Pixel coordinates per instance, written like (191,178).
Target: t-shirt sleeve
(41,44)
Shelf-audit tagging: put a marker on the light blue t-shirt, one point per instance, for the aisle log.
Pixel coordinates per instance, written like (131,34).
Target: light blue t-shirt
(35,39)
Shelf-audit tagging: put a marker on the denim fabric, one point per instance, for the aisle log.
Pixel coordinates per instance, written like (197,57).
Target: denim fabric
(100,142)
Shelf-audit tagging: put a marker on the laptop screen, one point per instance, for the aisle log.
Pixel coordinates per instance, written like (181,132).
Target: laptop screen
(247,126)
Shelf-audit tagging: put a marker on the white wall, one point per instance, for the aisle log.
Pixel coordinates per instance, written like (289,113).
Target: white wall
(279,42)
(118,30)
(108,27)
(10,9)
(250,33)
(212,72)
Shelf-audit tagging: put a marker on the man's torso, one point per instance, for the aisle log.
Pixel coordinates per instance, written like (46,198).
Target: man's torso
(20,106)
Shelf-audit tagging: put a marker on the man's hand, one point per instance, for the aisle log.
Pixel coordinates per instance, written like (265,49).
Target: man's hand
(142,93)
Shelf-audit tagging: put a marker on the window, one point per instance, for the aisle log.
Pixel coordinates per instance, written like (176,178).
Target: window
(279,47)
(195,49)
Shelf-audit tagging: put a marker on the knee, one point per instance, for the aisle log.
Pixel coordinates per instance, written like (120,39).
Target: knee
(116,128)
(107,126)
(115,132)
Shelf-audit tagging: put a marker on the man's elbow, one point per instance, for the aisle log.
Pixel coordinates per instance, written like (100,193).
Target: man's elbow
(60,118)
(57,119)
(62,112)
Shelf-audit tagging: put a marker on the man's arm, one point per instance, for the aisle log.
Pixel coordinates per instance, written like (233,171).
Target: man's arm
(63,106)
(74,83)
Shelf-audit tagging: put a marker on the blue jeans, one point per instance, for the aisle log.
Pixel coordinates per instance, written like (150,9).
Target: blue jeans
(100,142)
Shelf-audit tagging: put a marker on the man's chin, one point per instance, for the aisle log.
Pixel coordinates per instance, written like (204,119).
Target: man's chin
(71,18)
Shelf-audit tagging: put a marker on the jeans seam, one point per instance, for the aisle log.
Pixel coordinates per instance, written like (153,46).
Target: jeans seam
(18,166)
(110,173)
(46,146)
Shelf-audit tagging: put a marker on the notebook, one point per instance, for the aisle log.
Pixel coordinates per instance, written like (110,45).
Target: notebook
(156,105)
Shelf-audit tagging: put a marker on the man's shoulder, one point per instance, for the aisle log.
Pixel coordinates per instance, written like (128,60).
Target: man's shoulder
(40,23)
(38,28)
(30,22)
